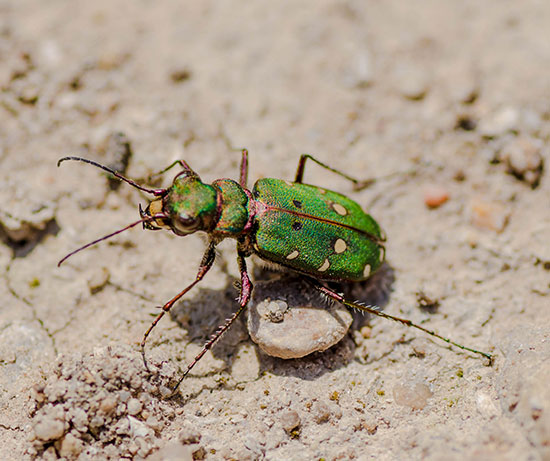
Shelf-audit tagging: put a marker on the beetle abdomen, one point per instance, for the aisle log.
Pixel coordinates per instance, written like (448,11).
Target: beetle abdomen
(316,231)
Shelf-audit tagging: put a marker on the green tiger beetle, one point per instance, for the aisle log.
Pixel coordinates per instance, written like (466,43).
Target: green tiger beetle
(321,234)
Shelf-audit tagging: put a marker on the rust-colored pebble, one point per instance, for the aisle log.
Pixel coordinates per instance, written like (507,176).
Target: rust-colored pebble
(435,196)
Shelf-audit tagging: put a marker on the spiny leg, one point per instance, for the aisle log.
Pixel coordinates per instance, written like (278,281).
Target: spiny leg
(358,184)
(205,265)
(244,169)
(182,163)
(372,310)
(244,297)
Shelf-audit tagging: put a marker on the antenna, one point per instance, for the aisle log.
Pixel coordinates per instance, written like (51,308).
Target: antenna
(112,234)
(157,192)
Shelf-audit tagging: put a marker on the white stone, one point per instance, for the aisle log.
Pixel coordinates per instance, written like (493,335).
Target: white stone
(309,323)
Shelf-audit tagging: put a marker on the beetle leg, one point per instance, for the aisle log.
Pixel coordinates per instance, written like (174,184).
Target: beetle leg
(182,163)
(302,164)
(244,169)
(244,297)
(358,184)
(206,263)
(374,310)
(219,332)
(246,284)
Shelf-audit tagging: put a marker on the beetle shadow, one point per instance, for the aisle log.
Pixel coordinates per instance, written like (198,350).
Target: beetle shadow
(374,291)
(202,314)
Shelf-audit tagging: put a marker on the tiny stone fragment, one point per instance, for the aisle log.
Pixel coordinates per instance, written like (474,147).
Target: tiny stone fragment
(413,395)
(290,421)
(323,412)
(499,123)
(70,446)
(98,280)
(50,426)
(134,407)
(524,159)
(188,435)
(435,195)
(275,310)
(88,403)
(489,215)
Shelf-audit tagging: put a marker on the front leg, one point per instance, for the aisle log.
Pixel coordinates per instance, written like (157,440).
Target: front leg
(244,297)
(206,263)
(246,284)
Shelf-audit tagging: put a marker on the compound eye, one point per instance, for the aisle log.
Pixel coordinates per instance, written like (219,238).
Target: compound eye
(186,224)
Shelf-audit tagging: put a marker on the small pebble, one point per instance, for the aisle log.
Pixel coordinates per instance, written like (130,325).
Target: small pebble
(435,195)
(70,446)
(412,395)
(366,332)
(290,421)
(189,435)
(323,412)
(275,310)
(524,159)
(134,407)
(98,280)
(138,428)
(489,215)
(29,94)
(499,123)
(108,404)
(360,73)
(49,428)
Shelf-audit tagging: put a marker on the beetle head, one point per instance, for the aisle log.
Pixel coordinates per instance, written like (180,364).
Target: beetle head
(188,206)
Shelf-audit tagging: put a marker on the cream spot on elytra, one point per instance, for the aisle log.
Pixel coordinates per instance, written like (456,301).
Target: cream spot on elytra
(324,266)
(366,270)
(340,246)
(341,210)
(293,255)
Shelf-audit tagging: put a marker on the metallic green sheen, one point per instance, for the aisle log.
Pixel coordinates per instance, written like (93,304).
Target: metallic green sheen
(319,227)
(234,208)
(189,196)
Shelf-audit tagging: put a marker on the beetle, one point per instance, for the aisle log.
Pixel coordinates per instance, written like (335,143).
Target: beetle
(321,234)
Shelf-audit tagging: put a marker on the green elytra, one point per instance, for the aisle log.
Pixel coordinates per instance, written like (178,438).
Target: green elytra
(319,233)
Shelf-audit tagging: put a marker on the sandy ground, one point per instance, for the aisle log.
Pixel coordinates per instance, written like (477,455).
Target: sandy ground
(458,93)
